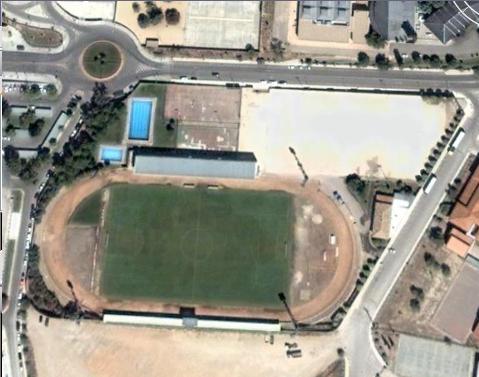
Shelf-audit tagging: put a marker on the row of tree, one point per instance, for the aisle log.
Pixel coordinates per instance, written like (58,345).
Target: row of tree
(154,15)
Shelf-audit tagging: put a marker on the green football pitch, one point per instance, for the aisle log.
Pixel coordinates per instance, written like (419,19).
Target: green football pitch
(197,246)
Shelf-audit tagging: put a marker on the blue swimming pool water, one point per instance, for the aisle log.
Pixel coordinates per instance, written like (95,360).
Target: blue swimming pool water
(140,115)
(111,154)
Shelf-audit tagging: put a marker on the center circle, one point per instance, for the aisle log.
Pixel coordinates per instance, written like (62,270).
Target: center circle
(102,60)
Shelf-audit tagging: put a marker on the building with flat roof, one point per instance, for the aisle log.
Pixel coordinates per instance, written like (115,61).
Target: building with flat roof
(419,357)
(464,218)
(333,21)
(459,310)
(388,213)
(394,20)
(452,20)
(326,11)
(194,163)
(381,224)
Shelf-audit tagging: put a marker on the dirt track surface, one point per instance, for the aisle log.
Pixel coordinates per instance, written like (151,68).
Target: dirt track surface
(94,349)
(51,236)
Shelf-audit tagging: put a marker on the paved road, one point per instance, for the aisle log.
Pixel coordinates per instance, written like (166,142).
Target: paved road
(356,326)
(355,331)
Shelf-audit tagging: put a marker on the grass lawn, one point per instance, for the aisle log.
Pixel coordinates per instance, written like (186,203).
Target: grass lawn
(88,212)
(161,136)
(115,132)
(101,59)
(179,245)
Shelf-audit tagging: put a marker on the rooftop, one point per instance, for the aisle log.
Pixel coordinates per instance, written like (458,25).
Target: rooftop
(326,12)
(453,19)
(418,357)
(381,224)
(393,20)
(458,311)
(194,163)
(464,219)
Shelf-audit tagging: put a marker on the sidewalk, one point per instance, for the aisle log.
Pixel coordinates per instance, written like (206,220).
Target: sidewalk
(38,78)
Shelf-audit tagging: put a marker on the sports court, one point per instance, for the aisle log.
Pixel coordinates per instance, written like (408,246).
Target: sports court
(224,247)
(208,117)
(140,118)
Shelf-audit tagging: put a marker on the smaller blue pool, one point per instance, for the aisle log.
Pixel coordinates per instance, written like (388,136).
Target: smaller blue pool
(111,154)
(140,116)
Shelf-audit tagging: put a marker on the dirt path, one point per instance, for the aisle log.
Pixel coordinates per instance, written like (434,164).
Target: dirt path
(51,233)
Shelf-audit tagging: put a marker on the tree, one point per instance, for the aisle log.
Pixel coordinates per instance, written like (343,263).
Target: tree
(435,61)
(52,141)
(429,258)
(374,39)
(26,118)
(445,269)
(277,46)
(172,16)
(436,233)
(155,14)
(34,89)
(363,59)
(6,108)
(143,20)
(451,60)
(355,183)
(250,51)
(415,305)
(429,7)
(35,128)
(417,292)
(416,57)
(10,130)
(51,89)
(382,62)
(135,6)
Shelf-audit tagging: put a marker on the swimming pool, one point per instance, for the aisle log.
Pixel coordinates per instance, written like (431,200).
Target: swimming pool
(140,116)
(113,154)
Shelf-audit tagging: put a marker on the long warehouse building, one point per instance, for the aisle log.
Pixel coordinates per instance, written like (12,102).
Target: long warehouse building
(194,163)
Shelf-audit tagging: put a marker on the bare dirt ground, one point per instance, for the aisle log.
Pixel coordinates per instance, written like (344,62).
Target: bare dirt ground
(95,349)
(164,33)
(81,241)
(373,137)
(323,275)
(202,104)
(208,117)
(397,314)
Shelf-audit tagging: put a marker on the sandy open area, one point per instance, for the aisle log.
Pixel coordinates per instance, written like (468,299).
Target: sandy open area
(163,33)
(335,133)
(90,10)
(210,24)
(95,349)
(323,274)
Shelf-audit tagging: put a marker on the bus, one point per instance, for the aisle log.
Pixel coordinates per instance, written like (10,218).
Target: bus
(456,140)
(429,184)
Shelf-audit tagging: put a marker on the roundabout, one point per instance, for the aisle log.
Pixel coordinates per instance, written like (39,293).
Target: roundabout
(101,60)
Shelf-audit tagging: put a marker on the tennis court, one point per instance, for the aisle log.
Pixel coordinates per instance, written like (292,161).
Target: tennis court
(197,246)
(140,119)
